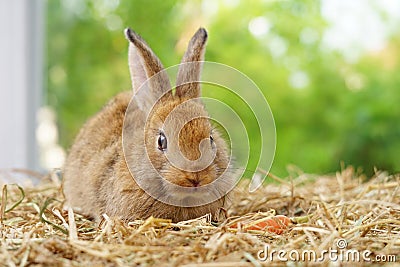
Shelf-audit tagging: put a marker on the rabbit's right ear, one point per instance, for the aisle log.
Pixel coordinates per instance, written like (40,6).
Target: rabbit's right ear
(189,72)
(144,64)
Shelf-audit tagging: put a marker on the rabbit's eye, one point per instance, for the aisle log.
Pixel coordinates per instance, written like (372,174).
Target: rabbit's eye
(162,142)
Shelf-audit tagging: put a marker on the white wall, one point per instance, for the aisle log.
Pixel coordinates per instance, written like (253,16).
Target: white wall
(21,80)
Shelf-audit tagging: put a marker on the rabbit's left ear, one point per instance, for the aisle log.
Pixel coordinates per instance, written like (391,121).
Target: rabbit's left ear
(144,66)
(187,81)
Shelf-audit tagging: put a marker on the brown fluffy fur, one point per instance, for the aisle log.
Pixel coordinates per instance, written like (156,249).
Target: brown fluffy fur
(96,176)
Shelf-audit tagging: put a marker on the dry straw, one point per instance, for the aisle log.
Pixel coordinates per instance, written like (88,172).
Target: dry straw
(346,207)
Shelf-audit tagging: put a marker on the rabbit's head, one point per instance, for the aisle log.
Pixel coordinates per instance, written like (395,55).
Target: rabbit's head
(173,137)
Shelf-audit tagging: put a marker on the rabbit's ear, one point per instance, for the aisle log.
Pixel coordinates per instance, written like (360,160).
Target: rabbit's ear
(188,77)
(143,64)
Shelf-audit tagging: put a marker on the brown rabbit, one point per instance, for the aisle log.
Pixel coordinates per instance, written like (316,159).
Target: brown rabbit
(133,177)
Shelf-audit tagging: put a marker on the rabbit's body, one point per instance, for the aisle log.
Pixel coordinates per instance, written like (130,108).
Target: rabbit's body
(97,179)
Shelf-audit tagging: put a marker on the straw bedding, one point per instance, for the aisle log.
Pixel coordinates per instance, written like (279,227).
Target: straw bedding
(363,214)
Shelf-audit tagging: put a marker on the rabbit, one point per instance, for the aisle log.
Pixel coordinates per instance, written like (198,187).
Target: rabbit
(104,175)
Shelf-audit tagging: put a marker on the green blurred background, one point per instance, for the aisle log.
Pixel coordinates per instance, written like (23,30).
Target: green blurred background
(330,75)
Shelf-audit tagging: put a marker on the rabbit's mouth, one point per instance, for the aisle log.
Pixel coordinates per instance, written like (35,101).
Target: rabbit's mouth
(191,182)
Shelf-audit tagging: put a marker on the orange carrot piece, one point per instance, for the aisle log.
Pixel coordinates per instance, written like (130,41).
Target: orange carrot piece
(276,224)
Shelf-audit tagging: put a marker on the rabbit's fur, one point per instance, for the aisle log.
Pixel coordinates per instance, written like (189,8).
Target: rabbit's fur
(97,179)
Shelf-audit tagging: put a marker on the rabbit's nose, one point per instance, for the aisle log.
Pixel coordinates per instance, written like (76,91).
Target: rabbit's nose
(195,182)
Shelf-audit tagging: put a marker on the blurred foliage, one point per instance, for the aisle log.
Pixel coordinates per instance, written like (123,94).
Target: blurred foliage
(326,109)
